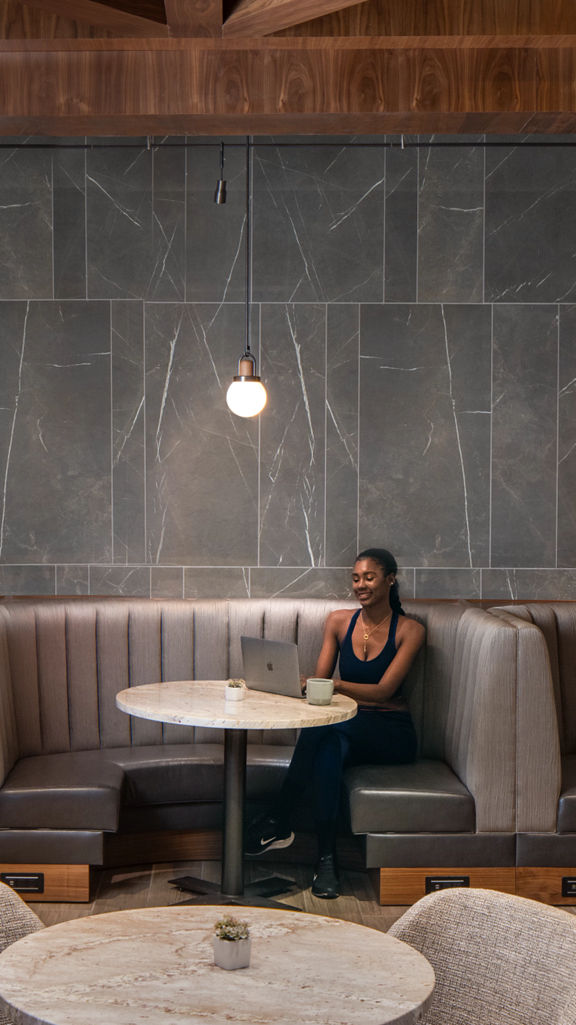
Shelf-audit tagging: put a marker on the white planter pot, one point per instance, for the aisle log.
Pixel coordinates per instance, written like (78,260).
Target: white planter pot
(235,694)
(231,954)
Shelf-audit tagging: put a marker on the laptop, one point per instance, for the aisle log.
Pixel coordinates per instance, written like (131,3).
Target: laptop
(271,666)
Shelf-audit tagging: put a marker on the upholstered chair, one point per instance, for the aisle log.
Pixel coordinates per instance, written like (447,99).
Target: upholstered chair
(498,959)
(16,921)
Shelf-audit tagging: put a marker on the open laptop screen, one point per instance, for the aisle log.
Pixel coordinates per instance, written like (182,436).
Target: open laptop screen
(271,666)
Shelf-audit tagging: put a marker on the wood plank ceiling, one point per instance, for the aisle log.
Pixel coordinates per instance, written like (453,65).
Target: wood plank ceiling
(208,67)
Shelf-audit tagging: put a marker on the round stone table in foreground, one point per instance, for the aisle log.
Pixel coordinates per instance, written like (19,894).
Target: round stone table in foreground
(155,966)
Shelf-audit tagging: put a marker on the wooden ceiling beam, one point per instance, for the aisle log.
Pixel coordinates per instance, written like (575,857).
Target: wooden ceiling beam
(290,44)
(262,17)
(380,18)
(201,18)
(216,88)
(104,15)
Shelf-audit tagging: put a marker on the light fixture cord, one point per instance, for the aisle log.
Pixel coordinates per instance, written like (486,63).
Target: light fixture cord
(248,239)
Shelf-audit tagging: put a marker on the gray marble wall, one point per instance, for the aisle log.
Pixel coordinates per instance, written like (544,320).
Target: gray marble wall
(414,311)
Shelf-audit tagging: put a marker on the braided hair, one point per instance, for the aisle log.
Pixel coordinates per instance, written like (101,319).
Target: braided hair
(388,563)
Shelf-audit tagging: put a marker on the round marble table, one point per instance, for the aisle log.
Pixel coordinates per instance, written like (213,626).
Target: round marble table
(155,967)
(203,703)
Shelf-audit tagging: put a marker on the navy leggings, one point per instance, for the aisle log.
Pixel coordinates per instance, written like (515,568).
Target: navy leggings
(322,753)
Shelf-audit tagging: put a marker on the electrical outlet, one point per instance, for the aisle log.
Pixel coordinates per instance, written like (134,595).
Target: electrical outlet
(434,883)
(569,886)
(24,882)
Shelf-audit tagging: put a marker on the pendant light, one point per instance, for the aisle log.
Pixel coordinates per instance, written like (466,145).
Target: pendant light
(246,396)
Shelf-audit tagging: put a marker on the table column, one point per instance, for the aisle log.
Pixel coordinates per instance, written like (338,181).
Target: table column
(234,793)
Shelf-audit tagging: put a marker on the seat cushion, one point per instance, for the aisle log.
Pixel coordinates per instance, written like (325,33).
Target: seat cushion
(74,790)
(194,773)
(423,797)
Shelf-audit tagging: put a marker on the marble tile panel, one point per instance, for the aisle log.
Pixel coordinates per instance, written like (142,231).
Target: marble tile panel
(56,469)
(292,450)
(166,582)
(168,271)
(202,461)
(401,232)
(451,225)
(26,265)
(448,583)
(128,443)
(425,432)
(208,582)
(318,224)
(406,579)
(69,204)
(524,444)
(13,321)
(27,580)
(529,584)
(72,580)
(288,582)
(342,355)
(119,222)
(122,581)
(567,439)
(215,234)
(530,252)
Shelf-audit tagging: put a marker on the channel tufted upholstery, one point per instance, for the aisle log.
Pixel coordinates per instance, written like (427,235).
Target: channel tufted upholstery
(498,959)
(75,769)
(546,762)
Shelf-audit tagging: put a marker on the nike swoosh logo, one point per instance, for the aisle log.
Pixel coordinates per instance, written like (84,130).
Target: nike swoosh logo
(269,840)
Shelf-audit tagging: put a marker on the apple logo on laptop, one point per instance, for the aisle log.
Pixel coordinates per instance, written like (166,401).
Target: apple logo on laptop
(270,666)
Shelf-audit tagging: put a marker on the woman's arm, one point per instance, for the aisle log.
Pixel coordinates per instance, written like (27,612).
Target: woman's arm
(329,651)
(408,645)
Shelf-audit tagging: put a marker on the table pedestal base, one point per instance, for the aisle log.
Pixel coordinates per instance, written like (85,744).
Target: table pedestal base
(256,894)
(231,889)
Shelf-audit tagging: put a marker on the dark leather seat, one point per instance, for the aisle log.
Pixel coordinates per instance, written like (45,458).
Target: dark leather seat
(425,797)
(74,790)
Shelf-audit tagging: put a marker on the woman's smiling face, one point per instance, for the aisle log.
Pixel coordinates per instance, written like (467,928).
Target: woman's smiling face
(370,583)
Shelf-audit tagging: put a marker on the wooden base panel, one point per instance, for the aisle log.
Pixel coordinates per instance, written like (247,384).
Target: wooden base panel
(546,884)
(170,845)
(61,883)
(403,886)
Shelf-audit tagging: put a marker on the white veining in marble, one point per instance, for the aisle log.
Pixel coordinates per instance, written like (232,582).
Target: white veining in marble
(203,703)
(154,966)
(17,397)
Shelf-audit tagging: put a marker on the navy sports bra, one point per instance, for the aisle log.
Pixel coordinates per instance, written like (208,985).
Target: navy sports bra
(354,669)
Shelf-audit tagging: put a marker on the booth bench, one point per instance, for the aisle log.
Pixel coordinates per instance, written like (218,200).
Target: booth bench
(84,785)
(546,753)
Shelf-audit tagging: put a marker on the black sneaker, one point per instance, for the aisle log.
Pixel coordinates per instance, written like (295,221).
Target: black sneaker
(326,883)
(266,834)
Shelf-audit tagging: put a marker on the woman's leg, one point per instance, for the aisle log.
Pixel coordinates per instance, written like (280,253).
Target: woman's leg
(382,738)
(273,829)
(319,759)
(315,762)
(322,753)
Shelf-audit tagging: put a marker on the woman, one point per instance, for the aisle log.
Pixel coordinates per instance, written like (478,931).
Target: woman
(376,646)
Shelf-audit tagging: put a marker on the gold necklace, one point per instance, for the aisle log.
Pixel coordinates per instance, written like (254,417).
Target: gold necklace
(368,633)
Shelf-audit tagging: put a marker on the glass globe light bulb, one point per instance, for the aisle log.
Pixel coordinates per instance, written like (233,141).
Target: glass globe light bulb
(246,397)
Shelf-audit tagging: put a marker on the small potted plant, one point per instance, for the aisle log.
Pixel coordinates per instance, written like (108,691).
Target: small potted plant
(231,943)
(235,690)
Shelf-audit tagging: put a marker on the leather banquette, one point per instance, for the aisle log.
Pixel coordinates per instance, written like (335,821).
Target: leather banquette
(83,784)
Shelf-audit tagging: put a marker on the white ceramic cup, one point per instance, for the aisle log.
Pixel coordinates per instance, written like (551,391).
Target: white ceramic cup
(319,691)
